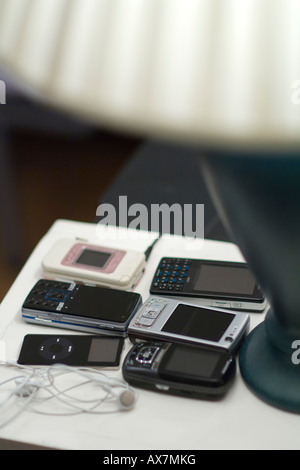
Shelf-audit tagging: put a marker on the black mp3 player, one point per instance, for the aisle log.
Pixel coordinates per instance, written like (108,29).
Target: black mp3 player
(72,350)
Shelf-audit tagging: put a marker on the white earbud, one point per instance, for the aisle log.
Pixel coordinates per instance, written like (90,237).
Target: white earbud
(126,399)
(25,387)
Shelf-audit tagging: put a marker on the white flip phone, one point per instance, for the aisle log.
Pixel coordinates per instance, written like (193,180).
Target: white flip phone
(74,260)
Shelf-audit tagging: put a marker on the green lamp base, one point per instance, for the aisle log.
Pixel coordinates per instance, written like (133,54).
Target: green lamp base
(269,371)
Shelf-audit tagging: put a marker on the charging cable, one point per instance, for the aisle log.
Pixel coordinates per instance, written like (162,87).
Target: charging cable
(148,251)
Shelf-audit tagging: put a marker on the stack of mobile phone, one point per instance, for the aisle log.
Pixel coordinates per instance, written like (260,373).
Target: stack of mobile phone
(180,346)
(184,346)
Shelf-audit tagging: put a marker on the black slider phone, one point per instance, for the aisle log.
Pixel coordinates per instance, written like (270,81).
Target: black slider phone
(76,306)
(195,372)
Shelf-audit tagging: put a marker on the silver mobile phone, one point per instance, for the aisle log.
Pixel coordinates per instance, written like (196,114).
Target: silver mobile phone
(172,320)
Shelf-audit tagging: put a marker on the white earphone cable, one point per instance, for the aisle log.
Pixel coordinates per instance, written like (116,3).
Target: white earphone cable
(35,389)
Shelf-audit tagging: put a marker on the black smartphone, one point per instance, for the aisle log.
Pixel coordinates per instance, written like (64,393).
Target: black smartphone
(196,372)
(80,307)
(73,350)
(220,284)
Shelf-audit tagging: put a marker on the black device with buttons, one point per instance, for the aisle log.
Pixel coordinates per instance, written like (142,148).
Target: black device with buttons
(196,372)
(92,309)
(173,320)
(215,283)
(72,350)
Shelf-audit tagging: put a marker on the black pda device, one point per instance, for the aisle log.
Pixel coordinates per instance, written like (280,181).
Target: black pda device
(221,284)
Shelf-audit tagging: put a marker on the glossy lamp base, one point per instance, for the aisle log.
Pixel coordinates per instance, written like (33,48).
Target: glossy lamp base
(269,371)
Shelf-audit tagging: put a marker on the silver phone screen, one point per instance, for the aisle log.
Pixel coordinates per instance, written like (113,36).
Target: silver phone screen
(197,322)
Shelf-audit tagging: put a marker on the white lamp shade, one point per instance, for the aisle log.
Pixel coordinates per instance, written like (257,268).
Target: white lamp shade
(219,72)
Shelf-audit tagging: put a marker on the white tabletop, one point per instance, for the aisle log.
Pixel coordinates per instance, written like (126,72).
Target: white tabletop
(158,421)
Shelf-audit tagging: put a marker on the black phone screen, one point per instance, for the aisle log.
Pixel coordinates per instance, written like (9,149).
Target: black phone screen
(96,259)
(101,303)
(191,362)
(224,279)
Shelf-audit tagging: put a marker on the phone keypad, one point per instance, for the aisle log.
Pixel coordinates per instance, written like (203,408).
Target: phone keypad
(171,275)
(48,295)
(144,355)
(150,312)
